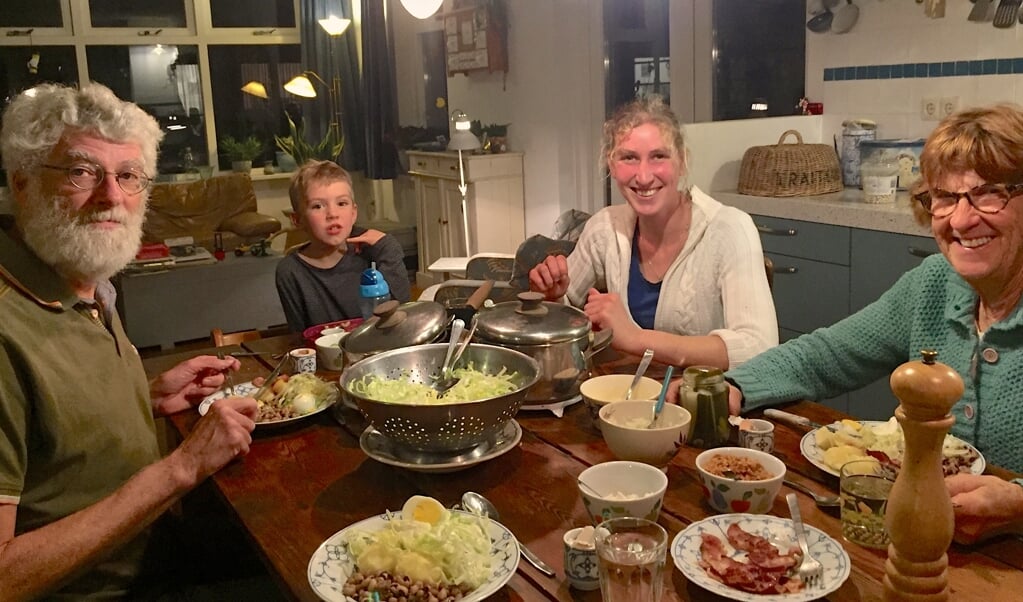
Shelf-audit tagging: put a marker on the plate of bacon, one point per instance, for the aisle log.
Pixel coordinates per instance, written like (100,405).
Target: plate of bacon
(752,557)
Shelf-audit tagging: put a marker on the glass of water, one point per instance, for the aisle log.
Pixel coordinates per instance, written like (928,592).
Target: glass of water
(630,558)
(865,485)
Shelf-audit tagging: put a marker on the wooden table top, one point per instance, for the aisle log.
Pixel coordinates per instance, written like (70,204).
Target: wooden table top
(302,483)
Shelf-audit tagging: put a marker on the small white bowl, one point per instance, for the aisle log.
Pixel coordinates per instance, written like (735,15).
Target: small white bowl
(332,330)
(625,488)
(602,390)
(731,495)
(328,351)
(624,426)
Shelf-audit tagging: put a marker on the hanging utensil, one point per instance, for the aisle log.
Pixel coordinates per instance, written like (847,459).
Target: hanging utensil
(660,398)
(821,22)
(1005,14)
(980,10)
(845,17)
(644,363)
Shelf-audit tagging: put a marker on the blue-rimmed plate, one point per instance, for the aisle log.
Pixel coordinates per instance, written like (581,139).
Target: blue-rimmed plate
(247,389)
(332,564)
(685,550)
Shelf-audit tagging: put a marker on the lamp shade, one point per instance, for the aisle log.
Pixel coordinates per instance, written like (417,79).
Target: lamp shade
(334,25)
(421,9)
(255,88)
(463,140)
(301,86)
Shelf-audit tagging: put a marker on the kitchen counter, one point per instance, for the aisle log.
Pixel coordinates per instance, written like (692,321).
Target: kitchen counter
(838,209)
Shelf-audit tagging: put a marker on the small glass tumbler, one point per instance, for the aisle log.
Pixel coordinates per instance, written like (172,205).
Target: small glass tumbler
(630,558)
(865,485)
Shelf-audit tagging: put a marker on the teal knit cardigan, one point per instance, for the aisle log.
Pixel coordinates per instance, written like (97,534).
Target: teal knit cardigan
(930,307)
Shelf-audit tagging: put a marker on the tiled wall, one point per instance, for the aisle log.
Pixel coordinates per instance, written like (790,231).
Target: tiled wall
(895,57)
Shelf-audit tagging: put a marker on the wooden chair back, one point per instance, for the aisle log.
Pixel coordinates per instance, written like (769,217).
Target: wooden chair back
(220,339)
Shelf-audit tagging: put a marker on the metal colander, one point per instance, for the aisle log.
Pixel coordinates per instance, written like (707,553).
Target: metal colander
(441,427)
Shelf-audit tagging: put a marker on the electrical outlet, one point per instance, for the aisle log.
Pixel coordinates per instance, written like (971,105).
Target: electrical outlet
(930,109)
(949,105)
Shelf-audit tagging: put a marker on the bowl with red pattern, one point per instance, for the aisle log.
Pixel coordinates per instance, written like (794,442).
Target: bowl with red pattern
(738,479)
(314,332)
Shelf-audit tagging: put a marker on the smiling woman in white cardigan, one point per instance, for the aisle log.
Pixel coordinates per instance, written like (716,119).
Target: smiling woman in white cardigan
(673,270)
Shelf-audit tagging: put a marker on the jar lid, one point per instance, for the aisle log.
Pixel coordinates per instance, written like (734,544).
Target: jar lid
(698,375)
(532,321)
(395,325)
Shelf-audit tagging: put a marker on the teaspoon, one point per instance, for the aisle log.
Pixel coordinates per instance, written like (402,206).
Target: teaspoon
(477,503)
(824,501)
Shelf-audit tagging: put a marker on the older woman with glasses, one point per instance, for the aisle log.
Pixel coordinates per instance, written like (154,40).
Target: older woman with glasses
(963,303)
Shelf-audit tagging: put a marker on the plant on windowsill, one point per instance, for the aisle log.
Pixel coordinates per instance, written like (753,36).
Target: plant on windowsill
(296,145)
(241,152)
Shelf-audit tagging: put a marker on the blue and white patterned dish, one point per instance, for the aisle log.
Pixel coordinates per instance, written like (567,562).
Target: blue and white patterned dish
(248,389)
(332,564)
(685,550)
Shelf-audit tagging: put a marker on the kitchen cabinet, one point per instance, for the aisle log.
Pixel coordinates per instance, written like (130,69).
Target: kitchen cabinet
(823,273)
(494,200)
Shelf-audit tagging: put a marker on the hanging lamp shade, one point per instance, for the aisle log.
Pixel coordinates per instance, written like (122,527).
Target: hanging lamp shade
(255,88)
(421,9)
(334,25)
(301,86)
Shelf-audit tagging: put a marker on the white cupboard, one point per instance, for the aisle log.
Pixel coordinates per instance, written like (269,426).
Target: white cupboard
(494,201)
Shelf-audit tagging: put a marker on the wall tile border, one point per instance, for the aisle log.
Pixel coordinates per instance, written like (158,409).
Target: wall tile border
(1003,66)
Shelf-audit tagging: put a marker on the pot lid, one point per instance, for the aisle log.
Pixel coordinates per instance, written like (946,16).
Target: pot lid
(532,321)
(393,326)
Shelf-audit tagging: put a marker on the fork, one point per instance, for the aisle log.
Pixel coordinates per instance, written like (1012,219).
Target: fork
(810,570)
(227,375)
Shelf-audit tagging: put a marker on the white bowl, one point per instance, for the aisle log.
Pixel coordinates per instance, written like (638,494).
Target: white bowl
(602,390)
(625,488)
(328,351)
(730,495)
(624,426)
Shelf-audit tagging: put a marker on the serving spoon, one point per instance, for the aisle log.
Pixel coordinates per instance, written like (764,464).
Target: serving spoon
(475,502)
(446,380)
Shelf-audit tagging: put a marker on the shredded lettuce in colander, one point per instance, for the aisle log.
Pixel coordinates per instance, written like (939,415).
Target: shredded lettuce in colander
(472,385)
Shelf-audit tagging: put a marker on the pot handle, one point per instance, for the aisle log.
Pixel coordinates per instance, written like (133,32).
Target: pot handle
(388,314)
(531,304)
(599,341)
(476,299)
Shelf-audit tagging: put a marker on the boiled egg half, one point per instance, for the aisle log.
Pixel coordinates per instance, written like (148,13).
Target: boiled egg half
(423,509)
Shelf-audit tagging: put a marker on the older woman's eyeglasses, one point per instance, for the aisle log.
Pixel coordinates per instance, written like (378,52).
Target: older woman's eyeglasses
(86,176)
(986,198)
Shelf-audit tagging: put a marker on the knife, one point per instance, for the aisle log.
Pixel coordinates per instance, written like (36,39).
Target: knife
(794,420)
(269,379)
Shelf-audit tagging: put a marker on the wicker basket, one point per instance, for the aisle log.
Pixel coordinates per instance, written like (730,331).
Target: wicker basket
(790,169)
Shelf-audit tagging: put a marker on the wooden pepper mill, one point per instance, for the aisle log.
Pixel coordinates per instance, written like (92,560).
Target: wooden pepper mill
(919,515)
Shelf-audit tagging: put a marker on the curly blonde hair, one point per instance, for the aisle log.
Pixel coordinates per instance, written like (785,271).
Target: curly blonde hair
(650,109)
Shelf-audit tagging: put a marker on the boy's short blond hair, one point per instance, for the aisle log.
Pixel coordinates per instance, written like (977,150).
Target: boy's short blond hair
(315,172)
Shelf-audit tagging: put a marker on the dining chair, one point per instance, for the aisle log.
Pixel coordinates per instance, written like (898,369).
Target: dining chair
(220,339)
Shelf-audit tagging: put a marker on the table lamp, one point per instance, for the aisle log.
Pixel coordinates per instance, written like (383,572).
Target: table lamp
(462,139)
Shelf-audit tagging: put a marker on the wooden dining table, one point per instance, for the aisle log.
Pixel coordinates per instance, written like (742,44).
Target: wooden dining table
(302,483)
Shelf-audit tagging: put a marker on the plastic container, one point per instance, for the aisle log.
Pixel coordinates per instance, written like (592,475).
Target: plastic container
(906,153)
(880,179)
(373,290)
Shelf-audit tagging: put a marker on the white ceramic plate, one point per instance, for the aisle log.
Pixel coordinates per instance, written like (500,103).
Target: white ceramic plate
(382,449)
(332,563)
(248,389)
(685,550)
(808,446)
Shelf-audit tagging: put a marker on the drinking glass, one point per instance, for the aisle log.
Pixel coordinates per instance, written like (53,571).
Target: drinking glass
(865,485)
(630,558)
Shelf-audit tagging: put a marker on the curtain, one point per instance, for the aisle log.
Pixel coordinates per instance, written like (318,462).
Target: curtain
(316,55)
(378,86)
(189,89)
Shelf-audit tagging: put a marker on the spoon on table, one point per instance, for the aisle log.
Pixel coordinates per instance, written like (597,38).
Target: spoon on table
(475,502)
(660,398)
(589,488)
(446,381)
(824,501)
(644,363)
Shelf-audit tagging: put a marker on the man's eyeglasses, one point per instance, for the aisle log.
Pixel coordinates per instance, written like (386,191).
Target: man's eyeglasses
(986,198)
(86,176)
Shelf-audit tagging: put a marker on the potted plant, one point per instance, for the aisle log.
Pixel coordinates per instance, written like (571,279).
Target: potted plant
(296,145)
(241,152)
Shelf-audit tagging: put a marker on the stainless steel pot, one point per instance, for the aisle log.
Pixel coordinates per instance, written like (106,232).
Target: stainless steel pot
(557,336)
(395,325)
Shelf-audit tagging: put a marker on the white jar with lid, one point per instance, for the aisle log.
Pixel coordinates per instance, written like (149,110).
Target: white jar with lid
(879,176)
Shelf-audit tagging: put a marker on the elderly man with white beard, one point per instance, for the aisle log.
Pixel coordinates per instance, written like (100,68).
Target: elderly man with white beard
(82,481)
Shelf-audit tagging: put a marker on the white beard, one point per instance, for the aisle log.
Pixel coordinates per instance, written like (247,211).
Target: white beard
(64,239)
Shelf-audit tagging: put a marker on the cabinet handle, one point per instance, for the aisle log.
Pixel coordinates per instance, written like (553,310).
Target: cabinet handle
(453,167)
(149,32)
(776,232)
(420,164)
(442,222)
(264,32)
(918,252)
(786,270)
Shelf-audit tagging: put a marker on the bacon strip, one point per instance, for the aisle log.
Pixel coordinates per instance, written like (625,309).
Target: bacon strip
(765,570)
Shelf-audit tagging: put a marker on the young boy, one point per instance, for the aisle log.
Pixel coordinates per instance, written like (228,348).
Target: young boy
(319,282)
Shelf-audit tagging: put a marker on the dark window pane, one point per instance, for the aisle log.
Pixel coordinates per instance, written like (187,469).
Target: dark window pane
(30,13)
(241,115)
(137,13)
(56,64)
(252,13)
(163,80)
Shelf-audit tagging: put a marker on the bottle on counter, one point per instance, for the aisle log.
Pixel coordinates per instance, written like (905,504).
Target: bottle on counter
(879,176)
(373,290)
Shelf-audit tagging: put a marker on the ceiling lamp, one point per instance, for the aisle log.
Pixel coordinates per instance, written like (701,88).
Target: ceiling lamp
(256,89)
(334,25)
(422,9)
